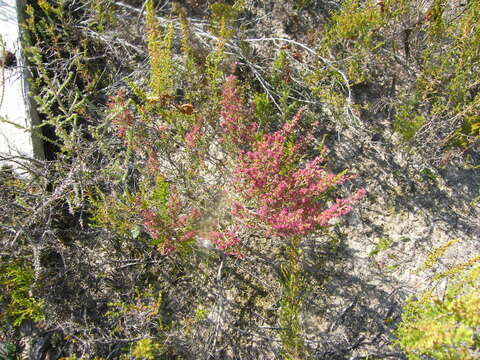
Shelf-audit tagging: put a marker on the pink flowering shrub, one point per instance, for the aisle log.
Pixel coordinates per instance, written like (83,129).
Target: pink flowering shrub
(227,241)
(194,135)
(286,197)
(235,121)
(263,181)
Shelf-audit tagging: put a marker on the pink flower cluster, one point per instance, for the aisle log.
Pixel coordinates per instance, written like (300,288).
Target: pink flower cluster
(288,199)
(195,134)
(151,224)
(236,125)
(226,241)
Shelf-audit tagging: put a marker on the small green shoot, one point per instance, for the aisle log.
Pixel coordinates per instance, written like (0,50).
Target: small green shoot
(382,245)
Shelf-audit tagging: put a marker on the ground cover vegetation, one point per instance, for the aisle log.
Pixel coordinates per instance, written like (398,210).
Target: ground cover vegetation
(216,173)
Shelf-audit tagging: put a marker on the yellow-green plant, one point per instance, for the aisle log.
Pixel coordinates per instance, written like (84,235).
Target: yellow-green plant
(162,71)
(17,284)
(7,351)
(445,95)
(352,36)
(427,57)
(62,97)
(223,18)
(146,349)
(444,327)
(437,253)
(382,245)
(289,316)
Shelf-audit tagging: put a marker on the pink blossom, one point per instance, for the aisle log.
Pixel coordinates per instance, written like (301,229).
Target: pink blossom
(290,199)
(194,135)
(236,125)
(187,236)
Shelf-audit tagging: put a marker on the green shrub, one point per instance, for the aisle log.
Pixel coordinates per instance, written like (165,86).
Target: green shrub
(289,320)
(17,284)
(7,351)
(446,327)
(427,58)
(146,349)
(445,90)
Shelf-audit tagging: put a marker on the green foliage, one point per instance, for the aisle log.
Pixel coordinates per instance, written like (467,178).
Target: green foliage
(214,73)
(162,70)
(353,34)
(63,98)
(263,110)
(429,175)
(444,89)
(223,18)
(375,42)
(7,351)
(445,328)
(154,129)
(160,195)
(190,56)
(351,45)
(148,302)
(436,29)
(115,212)
(437,253)
(289,320)
(457,269)
(280,80)
(147,349)
(104,15)
(408,120)
(382,245)
(17,282)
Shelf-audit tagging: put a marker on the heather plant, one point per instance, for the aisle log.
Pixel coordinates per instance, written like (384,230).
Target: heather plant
(279,193)
(352,32)
(19,304)
(446,326)
(237,126)
(293,286)
(146,349)
(351,45)
(422,57)
(288,200)
(437,253)
(446,86)
(211,173)
(223,18)
(162,71)
(149,173)
(289,193)
(63,97)
(144,307)
(166,136)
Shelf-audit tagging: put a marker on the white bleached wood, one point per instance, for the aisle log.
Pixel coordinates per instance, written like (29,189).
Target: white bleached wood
(15,106)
